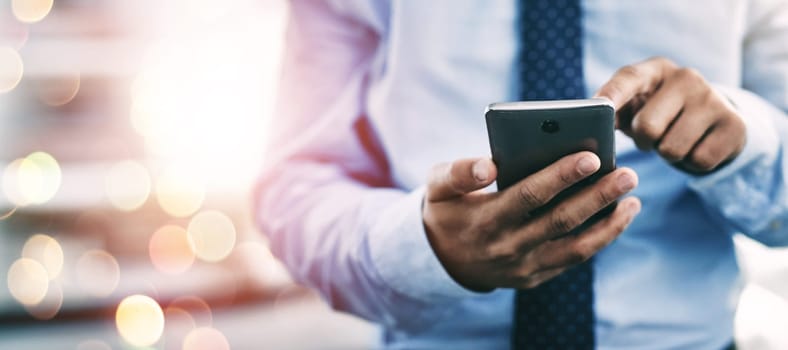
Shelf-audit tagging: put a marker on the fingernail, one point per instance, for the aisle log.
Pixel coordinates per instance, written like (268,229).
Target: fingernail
(626,182)
(633,208)
(480,171)
(587,165)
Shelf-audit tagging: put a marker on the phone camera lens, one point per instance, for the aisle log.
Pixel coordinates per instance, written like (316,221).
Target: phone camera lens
(550,126)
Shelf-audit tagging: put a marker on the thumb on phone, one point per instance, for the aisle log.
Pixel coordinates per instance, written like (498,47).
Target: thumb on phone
(451,180)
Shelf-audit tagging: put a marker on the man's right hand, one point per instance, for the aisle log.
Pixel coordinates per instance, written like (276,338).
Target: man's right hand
(489,240)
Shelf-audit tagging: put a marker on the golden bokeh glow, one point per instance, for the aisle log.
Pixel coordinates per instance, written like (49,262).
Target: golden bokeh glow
(11,183)
(139,320)
(59,91)
(205,338)
(128,185)
(47,251)
(179,193)
(211,235)
(42,189)
(170,251)
(34,179)
(141,119)
(98,273)
(28,281)
(11,69)
(30,11)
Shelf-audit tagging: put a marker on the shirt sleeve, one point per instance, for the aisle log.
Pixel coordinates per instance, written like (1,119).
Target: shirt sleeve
(326,199)
(750,192)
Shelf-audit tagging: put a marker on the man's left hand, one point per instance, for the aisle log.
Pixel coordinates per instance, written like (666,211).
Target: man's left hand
(675,111)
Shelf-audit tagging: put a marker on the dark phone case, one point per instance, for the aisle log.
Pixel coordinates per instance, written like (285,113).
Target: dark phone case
(520,147)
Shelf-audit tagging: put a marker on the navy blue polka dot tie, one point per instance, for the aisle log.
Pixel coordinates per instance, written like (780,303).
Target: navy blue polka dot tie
(558,314)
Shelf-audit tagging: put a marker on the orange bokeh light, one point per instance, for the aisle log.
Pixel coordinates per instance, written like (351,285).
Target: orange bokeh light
(170,251)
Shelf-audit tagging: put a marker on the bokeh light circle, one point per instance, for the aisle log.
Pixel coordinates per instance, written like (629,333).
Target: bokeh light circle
(170,251)
(211,235)
(139,320)
(8,214)
(31,11)
(205,338)
(59,90)
(98,273)
(11,69)
(34,179)
(180,318)
(197,308)
(10,183)
(142,119)
(50,305)
(28,281)
(179,193)
(128,185)
(47,251)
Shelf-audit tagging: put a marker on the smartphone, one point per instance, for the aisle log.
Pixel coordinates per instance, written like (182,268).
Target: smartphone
(526,137)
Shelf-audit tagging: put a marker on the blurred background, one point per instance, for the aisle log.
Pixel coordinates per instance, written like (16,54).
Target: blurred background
(131,133)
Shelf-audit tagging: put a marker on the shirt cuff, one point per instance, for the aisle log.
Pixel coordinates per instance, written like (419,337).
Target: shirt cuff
(403,256)
(763,142)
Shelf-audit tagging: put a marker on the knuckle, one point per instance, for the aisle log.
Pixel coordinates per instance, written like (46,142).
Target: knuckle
(458,177)
(643,143)
(576,256)
(613,88)
(528,278)
(560,221)
(707,97)
(705,159)
(663,61)
(648,127)
(525,273)
(604,198)
(630,71)
(568,177)
(687,74)
(455,172)
(584,250)
(487,226)
(734,122)
(455,168)
(503,252)
(528,196)
(670,152)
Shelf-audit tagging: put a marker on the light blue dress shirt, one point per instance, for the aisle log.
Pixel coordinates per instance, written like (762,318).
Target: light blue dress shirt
(377,92)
